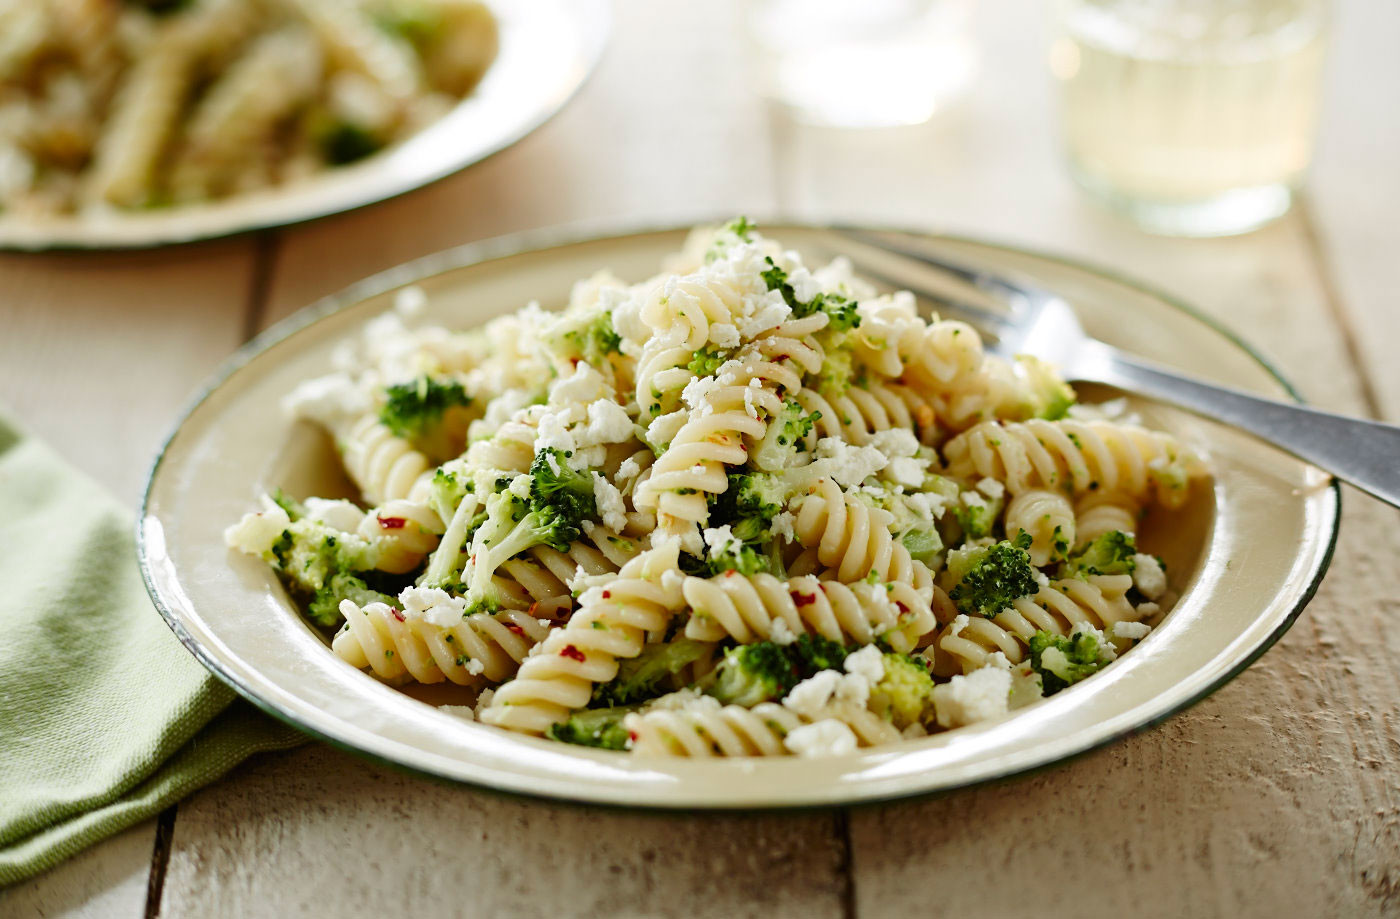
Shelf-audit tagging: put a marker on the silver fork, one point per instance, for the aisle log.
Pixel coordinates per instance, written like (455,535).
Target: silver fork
(1040,323)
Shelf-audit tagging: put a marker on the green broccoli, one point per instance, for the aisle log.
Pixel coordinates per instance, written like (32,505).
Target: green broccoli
(419,24)
(416,411)
(740,228)
(839,310)
(748,504)
(923,544)
(1062,661)
(707,361)
(1049,395)
(750,674)
(996,577)
(345,142)
(785,437)
(553,483)
(324,605)
(323,566)
(593,341)
(1111,553)
(813,653)
(904,695)
(639,678)
(293,508)
(594,727)
(747,558)
(837,373)
(978,516)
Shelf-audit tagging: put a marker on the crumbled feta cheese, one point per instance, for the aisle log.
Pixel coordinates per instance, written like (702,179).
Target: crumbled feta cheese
(813,695)
(1149,610)
(772,313)
(720,540)
(1041,578)
(1131,631)
(583,387)
(724,335)
(484,700)
(991,488)
(907,471)
(608,423)
(780,633)
(782,526)
(848,464)
(749,407)
(327,400)
(663,429)
(611,510)
(432,605)
(552,433)
(1148,576)
(853,689)
(697,389)
(338,515)
(1106,648)
(629,470)
(869,662)
(256,532)
(978,696)
(804,287)
(689,699)
(827,737)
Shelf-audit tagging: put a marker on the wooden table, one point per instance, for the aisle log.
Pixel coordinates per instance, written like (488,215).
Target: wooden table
(1279,795)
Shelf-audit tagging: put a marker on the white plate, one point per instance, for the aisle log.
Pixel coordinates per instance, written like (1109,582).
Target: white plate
(547,50)
(1247,553)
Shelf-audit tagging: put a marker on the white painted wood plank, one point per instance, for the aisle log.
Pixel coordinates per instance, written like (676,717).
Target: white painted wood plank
(1277,796)
(1354,191)
(316,832)
(107,881)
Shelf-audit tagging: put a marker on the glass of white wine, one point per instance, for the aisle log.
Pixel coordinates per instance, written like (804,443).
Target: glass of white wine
(1192,117)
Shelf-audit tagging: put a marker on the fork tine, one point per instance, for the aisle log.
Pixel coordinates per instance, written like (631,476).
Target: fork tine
(994,326)
(1018,297)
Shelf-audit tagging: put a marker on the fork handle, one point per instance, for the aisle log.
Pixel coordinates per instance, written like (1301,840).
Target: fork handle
(1363,453)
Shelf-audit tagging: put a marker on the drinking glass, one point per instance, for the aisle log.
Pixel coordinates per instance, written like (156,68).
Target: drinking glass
(861,63)
(1192,117)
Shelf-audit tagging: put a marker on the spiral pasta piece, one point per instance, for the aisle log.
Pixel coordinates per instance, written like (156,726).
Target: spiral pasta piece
(1048,518)
(352,40)
(863,411)
(732,730)
(681,309)
(385,467)
(611,624)
(748,608)
(403,534)
(1098,600)
(1077,456)
(854,538)
(1103,512)
(396,647)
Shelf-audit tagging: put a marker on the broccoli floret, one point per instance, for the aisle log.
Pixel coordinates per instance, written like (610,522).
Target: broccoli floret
(345,142)
(594,727)
(1062,661)
(1111,553)
(737,229)
(323,566)
(1050,396)
(413,410)
(640,678)
(451,483)
(293,508)
(747,558)
(741,227)
(593,342)
(324,607)
(813,653)
(416,23)
(923,544)
(786,436)
(977,515)
(837,372)
(839,310)
(707,361)
(997,576)
(750,674)
(554,484)
(904,695)
(748,504)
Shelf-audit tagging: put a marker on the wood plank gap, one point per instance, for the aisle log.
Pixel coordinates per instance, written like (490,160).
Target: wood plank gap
(842,828)
(266,245)
(160,859)
(1332,297)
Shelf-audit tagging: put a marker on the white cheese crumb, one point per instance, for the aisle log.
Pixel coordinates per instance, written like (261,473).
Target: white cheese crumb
(409,301)
(338,515)
(484,700)
(1106,648)
(724,335)
(582,387)
(1041,577)
(256,532)
(663,428)
(1148,576)
(868,662)
(327,400)
(827,737)
(991,488)
(978,696)
(629,470)
(781,633)
(1132,631)
(608,423)
(611,510)
(459,711)
(854,689)
(433,606)
(813,695)
(782,526)
(848,464)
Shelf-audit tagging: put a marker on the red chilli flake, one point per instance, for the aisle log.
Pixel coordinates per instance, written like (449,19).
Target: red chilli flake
(392,523)
(902,607)
(607,595)
(802,599)
(397,615)
(516,629)
(573,653)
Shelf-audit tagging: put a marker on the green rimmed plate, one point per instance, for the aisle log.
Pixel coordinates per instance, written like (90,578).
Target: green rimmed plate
(1246,554)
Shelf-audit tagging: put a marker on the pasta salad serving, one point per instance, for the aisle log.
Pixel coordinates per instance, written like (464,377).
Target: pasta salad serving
(125,104)
(745,507)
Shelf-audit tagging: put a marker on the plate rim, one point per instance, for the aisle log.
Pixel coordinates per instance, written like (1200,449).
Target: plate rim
(596,19)
(582,232)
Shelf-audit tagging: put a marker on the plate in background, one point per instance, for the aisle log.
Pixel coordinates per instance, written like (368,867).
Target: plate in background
(1247,553)
(547,50)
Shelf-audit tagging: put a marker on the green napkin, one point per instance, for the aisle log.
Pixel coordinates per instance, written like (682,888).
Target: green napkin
(105,719)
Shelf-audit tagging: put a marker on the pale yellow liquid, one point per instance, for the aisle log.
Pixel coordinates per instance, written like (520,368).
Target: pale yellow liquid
(1177,115)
